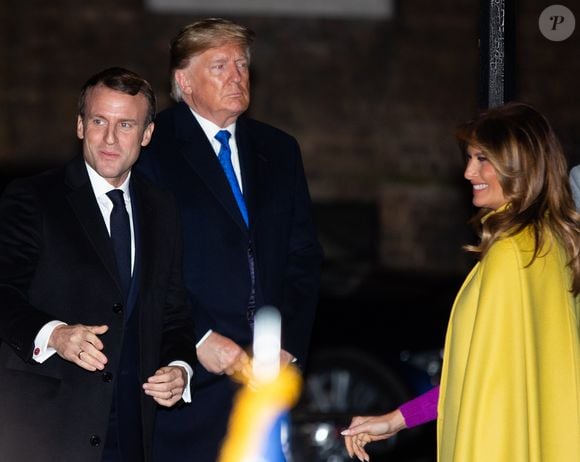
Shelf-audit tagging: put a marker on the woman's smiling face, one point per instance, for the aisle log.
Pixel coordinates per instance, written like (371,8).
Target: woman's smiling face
(487,192)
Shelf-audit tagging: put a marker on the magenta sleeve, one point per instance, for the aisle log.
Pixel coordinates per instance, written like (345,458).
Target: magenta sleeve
(421,409)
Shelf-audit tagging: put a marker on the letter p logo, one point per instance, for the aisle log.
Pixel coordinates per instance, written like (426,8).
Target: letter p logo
(557,23)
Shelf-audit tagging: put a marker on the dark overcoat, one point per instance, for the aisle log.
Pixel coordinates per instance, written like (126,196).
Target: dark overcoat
(57,263)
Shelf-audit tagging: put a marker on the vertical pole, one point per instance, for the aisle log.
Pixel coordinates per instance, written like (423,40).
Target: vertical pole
(496,52)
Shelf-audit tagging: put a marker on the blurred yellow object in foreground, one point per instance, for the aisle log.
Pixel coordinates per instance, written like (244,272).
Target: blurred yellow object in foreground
(256,408)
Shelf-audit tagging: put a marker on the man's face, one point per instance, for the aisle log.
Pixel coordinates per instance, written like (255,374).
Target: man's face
(216,83)
(113,131)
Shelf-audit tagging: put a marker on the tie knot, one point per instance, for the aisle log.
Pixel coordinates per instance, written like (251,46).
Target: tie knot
(116,196)
(223,136)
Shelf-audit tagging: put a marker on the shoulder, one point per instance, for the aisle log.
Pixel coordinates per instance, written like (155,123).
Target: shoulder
(516,254)
(575,184)
(575,174)
(42,184)
(172,123)
(155,195)
(264,133)
(172,113)
(509,253)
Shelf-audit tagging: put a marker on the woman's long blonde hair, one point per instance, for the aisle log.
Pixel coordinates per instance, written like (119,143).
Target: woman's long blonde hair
(532,171)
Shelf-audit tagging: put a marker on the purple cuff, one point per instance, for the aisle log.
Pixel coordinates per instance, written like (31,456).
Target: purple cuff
(421,409)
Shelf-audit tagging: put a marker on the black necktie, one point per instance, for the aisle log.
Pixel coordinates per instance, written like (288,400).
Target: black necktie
(121,238)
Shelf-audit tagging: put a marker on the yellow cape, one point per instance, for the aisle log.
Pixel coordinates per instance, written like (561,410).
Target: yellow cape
(510,388)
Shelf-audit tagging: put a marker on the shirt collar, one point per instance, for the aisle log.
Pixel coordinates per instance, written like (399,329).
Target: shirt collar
(102,186)
(210,129)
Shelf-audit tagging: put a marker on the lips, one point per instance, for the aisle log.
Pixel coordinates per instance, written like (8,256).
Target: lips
(109,154)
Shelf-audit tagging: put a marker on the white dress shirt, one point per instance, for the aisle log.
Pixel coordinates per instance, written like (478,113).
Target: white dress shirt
(210,129)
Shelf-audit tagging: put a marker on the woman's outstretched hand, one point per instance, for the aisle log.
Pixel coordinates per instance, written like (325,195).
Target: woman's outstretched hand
(363,430)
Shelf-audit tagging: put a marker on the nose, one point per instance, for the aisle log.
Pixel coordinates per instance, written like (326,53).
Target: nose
(111,134)
(235,73)
(470,169)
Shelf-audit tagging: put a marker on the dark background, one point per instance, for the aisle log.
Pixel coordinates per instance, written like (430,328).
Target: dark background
(373,103)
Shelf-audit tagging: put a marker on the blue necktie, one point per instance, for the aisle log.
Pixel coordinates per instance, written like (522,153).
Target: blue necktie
(225,158)
(121,238)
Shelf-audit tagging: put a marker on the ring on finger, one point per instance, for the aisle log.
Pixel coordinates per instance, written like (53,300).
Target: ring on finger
(79,355)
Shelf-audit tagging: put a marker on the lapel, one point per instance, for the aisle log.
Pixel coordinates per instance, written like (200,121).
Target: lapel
(84,204)
(253,165)
(199,154)
(136,205)
(148,221)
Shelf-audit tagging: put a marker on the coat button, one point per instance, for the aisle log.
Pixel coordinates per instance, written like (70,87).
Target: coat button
(95,440)
(118,308)
(107,377)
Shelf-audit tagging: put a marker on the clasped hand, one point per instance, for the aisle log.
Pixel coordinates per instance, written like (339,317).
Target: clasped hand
(220,355)
(82,346)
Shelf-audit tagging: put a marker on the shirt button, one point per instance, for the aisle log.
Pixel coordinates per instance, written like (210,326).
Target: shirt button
(107,377)
(95,440)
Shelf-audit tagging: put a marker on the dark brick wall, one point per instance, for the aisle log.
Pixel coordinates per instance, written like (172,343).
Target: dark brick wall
(373,103)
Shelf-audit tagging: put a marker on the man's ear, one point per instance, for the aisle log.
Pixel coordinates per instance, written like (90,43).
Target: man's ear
(182,80)
(80,128)
(147,134)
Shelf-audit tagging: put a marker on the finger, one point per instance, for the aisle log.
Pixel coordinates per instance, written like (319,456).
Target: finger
(166,398)
(358,429)
(359,452)
(90,334)
(166,375)
(93,352)
(241,366)
(84,360)
(351,431)
(243,357)
(164,395)
(95,331)
(99,330)
(160,385)
(167,402)
(348,445)
(362,452)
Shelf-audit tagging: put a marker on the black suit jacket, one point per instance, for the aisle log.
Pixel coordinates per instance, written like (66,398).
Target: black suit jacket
(56,262)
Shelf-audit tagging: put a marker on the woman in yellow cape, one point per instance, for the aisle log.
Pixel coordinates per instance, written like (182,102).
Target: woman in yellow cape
(510,386)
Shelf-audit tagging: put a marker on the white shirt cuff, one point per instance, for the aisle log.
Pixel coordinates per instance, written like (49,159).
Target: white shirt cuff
(186,396)
(41,349)
(201,340)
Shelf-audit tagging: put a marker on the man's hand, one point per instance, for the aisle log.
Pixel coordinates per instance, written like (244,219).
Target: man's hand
(219,355)
(285,358)
(167,385)
(80,344)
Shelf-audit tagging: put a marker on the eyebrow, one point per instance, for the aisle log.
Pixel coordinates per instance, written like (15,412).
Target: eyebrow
(99,116)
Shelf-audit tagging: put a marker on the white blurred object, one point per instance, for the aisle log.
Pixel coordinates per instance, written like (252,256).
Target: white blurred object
(267,334)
